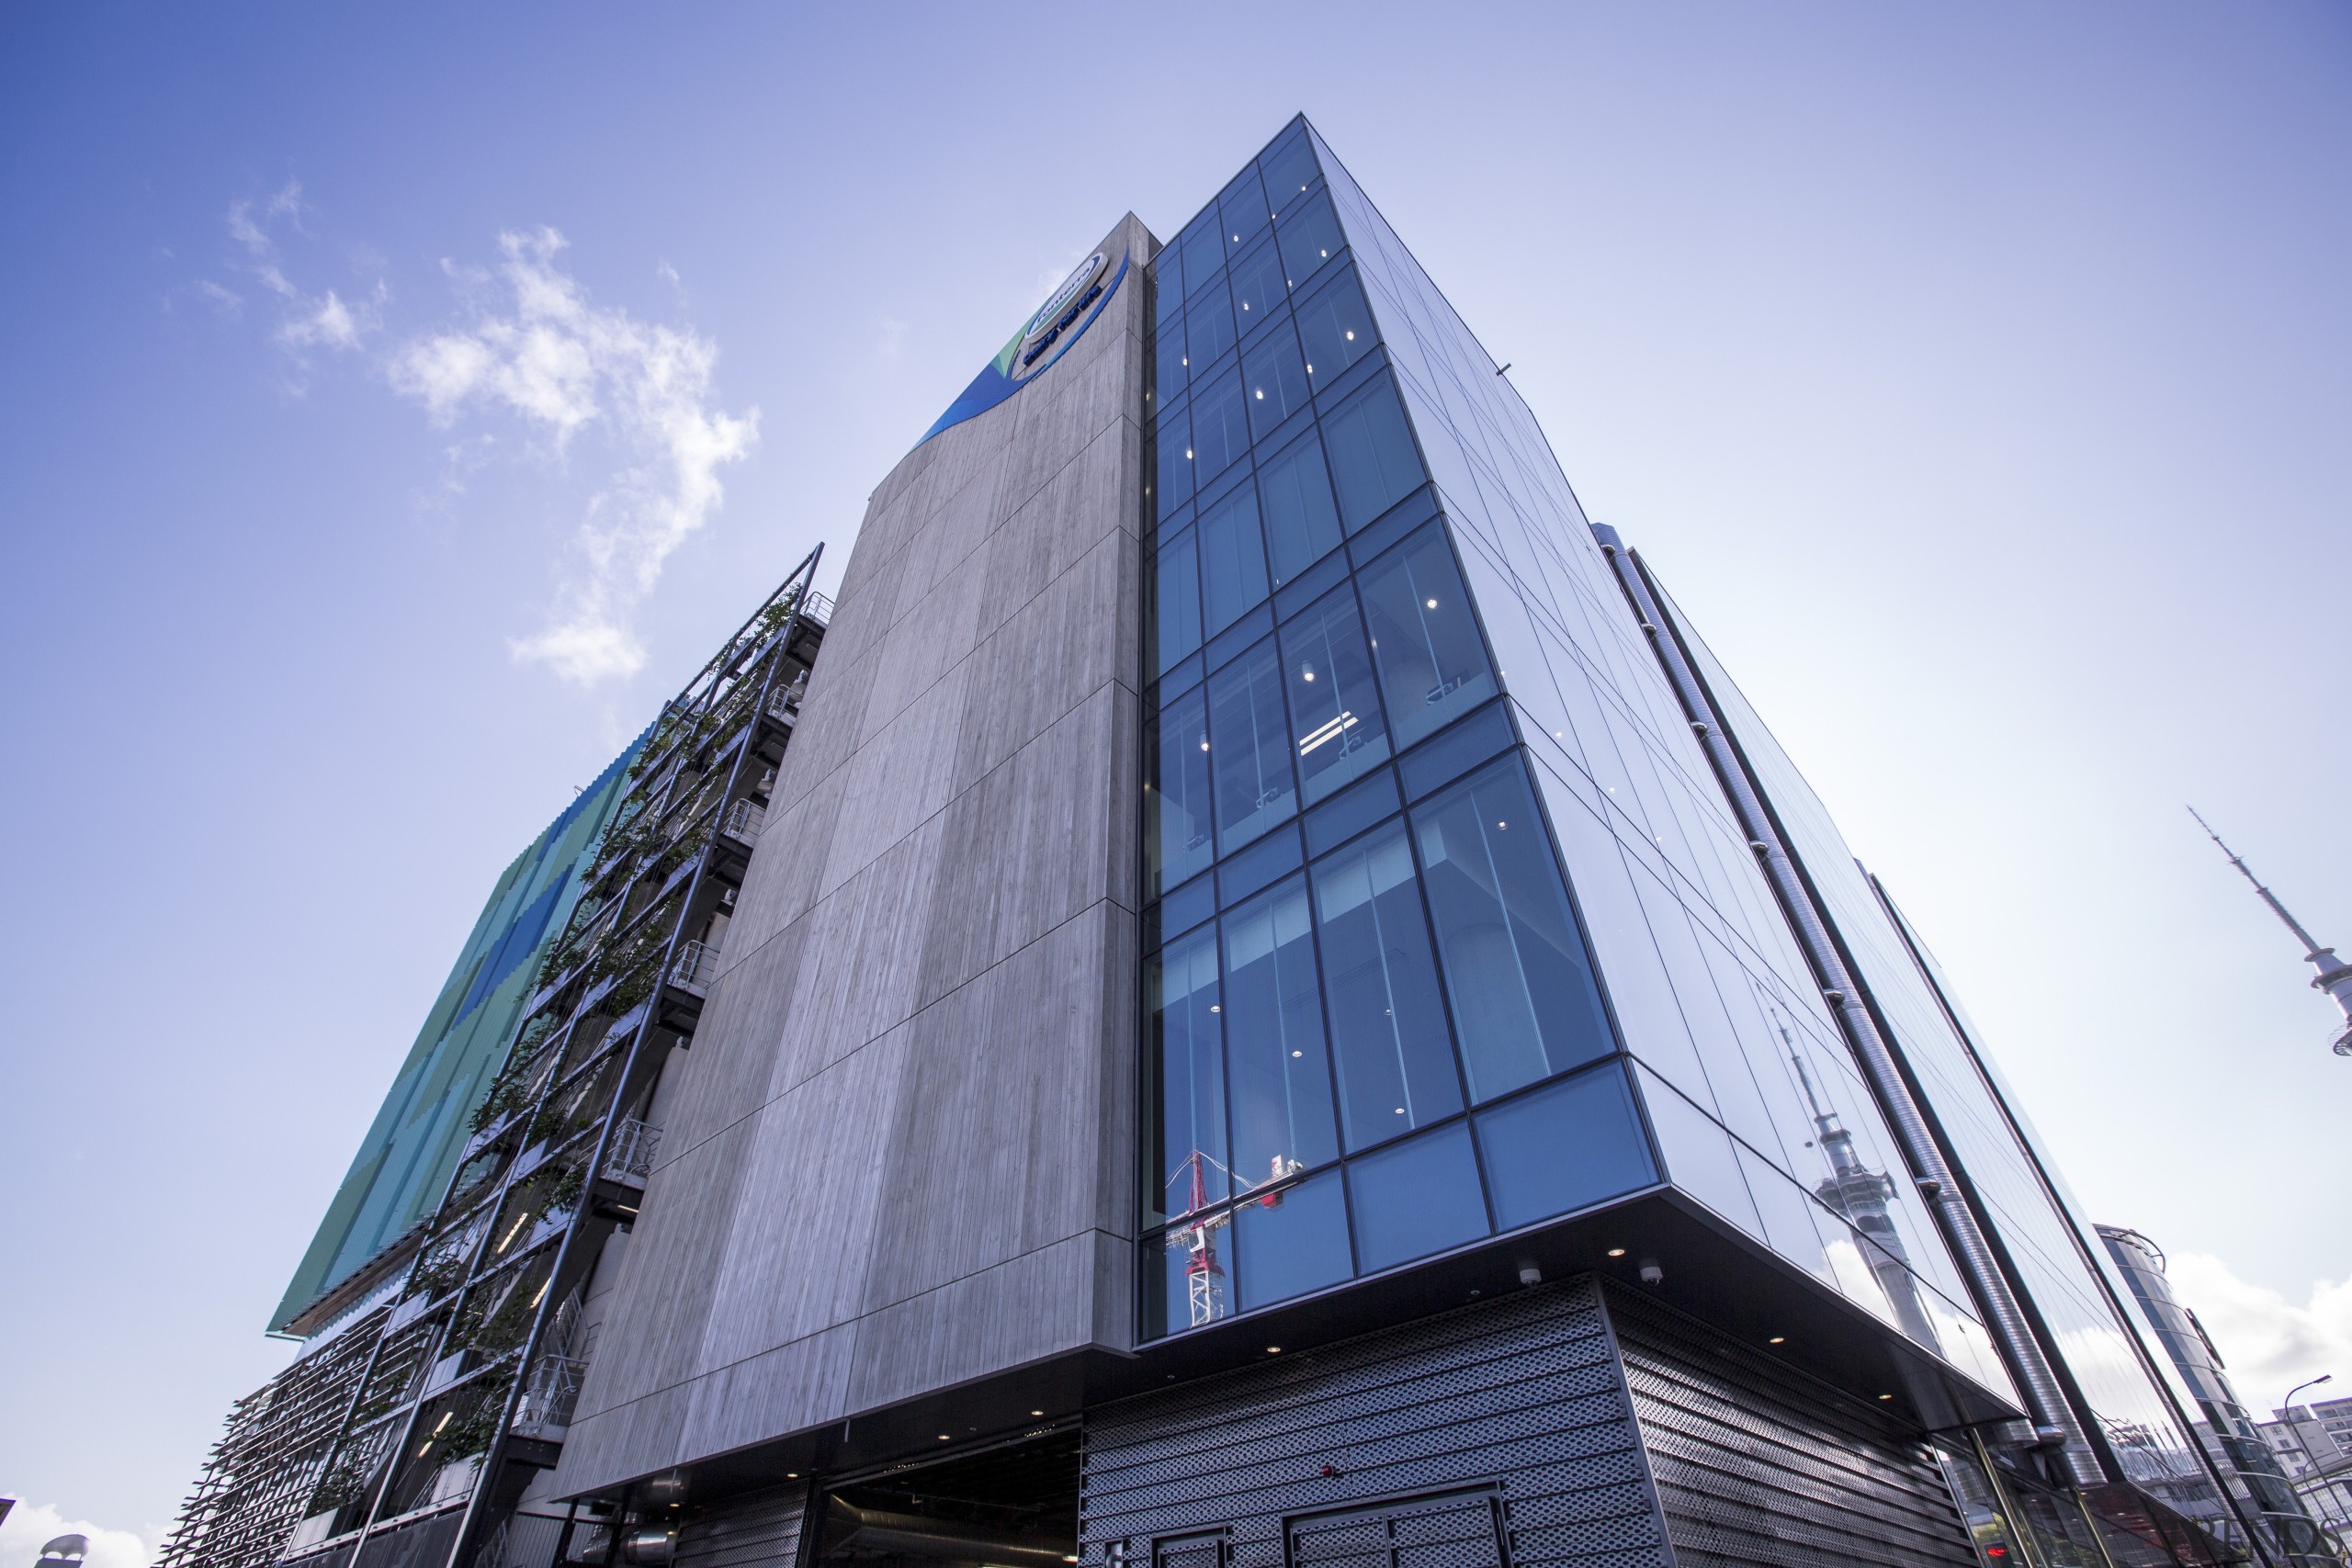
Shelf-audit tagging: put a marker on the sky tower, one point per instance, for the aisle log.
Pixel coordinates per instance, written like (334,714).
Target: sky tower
(2335,975)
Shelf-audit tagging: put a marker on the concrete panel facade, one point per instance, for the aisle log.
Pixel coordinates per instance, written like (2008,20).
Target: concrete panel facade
(899,1152)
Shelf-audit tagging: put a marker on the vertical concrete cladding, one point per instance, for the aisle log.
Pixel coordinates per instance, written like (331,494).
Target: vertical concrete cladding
(898,1153)
(1738,1059)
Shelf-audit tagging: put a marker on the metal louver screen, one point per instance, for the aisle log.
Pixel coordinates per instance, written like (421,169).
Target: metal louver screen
(1298,1462)
(1759,1466)
(756,1532)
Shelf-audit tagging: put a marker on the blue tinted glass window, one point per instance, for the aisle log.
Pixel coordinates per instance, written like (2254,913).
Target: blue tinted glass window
(1335,713)
(1168,368)
(1208,329)
(1204,250)
(1276,377)
(1176,793)
(1372,462)
(1563,1147)
(1186,1282)
(1294,493)
(1351,812)
(1250,747)
(1432,665)
(1220,429)
(1701,1161)
(1243,207)
(1258,288)
(1279,1072)
(1168,285)
(1296,1244)
(1525,1006)
(1287,169)
(1187,1075)
(1176,599)
(1259,865)
(1388,1039)
(1233,559)
(1309,236)
(1173,472)
(1418,1198)
(1336,329)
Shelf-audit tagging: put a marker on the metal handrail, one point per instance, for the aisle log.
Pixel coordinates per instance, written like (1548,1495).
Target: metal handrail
(629,1156)
(552,1392)
(696,965)
(744,821)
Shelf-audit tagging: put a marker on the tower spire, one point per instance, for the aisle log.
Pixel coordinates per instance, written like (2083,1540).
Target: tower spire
(2335,975)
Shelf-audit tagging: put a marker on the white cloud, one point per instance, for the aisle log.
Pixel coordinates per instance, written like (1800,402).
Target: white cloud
(2269,1342)
(535,350)
(542,352)
(306,320)
(227,301)
(31,1525)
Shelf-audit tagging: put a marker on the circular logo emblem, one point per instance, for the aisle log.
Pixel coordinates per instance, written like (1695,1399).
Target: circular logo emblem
(1064,299)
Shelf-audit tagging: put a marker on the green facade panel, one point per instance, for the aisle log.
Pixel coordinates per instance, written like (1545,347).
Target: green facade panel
(411,1148)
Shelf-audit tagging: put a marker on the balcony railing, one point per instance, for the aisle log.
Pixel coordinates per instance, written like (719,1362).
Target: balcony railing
(818,608)
(696,966)
(630,1156)
(550,1394)
(783,703)
(744,821)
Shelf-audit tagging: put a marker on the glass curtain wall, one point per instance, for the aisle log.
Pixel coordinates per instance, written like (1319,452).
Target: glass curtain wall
(2065,1276)
(1737,1060)
(1374,1030)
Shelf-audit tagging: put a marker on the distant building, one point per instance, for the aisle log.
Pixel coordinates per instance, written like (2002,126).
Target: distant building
(65,1552)
(2313,1443)
(2247,1460)
(2332,975)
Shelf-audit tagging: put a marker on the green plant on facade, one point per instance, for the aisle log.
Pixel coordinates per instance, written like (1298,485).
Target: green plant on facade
(473,1431)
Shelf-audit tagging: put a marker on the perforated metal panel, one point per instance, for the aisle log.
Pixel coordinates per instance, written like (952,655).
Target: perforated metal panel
(1495,1436)
(763,1529)
(425,1545)
(1448,1530)
(1758,1464)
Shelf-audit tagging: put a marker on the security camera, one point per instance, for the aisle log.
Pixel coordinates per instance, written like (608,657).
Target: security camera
(1651,1273)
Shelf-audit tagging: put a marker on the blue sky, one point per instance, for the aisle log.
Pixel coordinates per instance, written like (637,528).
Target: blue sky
(1978,376)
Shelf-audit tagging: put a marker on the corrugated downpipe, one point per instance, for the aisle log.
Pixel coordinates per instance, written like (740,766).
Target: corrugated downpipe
(2053,1422)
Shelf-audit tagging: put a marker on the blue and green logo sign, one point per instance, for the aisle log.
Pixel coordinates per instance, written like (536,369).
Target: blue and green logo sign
(1045,337)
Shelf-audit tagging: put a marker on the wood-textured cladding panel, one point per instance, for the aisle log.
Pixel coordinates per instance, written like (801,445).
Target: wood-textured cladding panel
(897,1154)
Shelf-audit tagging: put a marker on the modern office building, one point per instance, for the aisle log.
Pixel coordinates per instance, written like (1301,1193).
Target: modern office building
(439,1305)
(1286,1012)
(2248,1461)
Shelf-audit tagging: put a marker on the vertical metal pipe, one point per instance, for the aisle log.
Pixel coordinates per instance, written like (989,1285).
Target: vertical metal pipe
(2054,1421)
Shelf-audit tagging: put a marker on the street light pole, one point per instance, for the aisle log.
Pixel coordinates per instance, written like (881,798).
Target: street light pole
(2288,1403)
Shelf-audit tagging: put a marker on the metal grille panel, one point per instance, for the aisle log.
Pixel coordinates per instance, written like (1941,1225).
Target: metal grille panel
(762,1531)
(1327,1458)
(1757,1464)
